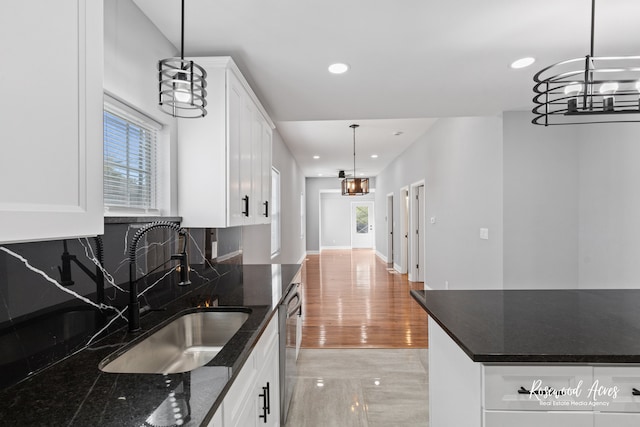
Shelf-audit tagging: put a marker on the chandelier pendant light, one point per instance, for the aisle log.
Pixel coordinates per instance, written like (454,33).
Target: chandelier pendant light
(182,84)
(588,90)
(355,186)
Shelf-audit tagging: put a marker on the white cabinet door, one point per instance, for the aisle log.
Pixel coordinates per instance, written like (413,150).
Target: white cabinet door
(239,403)
(236,100)
(619,386)
(51,161)
(536,388)
(537,419)
(265,167)
(268,387)
(617,420)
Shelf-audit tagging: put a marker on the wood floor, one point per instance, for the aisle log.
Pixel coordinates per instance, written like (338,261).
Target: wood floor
(351,300)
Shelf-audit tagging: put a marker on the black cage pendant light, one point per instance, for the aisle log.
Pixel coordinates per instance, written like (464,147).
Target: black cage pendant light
(355,186)
(588,90)
(182,84)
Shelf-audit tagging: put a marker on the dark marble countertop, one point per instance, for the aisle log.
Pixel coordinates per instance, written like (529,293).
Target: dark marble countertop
(74,392)
(539,326)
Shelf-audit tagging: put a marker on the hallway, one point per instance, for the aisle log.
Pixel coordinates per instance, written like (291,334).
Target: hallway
(364,358)
(351,300)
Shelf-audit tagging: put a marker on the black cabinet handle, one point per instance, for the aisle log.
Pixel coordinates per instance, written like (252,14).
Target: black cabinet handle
(635,392)
(523,390)
(265,405)
(266,209)
(245,212)
(268,399)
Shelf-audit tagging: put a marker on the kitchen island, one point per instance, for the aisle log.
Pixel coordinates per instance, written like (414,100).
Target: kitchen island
(530,358)
(74,392)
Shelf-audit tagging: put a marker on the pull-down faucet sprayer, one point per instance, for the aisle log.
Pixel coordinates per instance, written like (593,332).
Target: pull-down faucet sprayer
(134,304)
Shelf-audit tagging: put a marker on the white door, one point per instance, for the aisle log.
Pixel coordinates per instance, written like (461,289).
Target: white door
(362,225)
(404,230)
(390,230)
(416,273)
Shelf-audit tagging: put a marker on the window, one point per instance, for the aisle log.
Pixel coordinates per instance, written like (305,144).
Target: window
(275,212)
(130,159)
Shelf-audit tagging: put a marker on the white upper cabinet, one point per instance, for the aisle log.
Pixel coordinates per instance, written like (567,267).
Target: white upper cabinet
(221,156)
(51,120)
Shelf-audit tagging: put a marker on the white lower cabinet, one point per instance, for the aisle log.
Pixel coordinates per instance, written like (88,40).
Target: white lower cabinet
(254,397)
(518,395)
(537,419)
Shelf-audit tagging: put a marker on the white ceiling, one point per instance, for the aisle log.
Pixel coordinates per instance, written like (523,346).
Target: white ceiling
(410,59)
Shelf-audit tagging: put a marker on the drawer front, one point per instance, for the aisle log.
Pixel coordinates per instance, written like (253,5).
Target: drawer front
(538,419)
(265,342)
(617,420)
(537,388)
(615,386)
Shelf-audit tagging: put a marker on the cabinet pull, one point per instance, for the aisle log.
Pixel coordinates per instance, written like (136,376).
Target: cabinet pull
(266,208)
(265,403)
(549,390)
(635,392)
(245,212)
(268,399)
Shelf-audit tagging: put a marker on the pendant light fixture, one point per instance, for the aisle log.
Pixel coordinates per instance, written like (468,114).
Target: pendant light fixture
(588,90)
(355,186)
(182,84)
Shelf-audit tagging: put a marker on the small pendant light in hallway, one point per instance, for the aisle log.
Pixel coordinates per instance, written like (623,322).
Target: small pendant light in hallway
(355,186)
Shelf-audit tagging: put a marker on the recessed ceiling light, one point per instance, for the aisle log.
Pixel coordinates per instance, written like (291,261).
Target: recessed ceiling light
(374,156)
(319,174)
(522,62)
(316,157)
(398,133)
(338,68)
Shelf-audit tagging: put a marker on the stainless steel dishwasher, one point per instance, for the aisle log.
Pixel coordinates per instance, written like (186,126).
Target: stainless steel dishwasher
(290,328)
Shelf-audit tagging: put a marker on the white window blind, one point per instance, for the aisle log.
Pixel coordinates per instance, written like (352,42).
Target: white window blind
(130,141)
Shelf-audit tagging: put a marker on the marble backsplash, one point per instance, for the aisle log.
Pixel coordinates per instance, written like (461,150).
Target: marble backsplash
(51,308)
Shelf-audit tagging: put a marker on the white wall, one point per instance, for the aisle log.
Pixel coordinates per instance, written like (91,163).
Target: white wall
(315,186)
(609,206)
(541,215)
(335,218)
(460,160)
(132,47)
(256,239)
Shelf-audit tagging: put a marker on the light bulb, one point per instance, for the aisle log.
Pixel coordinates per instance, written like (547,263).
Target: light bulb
(182,89)
(573,88)
(609,87)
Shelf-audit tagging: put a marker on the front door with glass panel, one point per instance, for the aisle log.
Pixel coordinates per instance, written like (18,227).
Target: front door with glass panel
(362,233)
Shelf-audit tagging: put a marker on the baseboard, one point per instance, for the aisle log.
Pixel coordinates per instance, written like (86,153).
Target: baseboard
(228,256)
(334,248)
(397,268)
(427,287)
(381,256)
(313,252)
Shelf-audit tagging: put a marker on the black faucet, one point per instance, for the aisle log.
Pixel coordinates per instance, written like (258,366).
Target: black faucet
(97,277)
(134,304)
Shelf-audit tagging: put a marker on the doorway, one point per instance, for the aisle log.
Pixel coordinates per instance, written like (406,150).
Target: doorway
(417,264)
(362,232)
(390,226)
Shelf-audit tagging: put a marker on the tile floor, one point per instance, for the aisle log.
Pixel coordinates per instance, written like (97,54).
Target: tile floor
(360,387)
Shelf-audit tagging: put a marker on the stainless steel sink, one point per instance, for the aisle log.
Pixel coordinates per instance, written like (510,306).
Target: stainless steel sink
(189,342)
